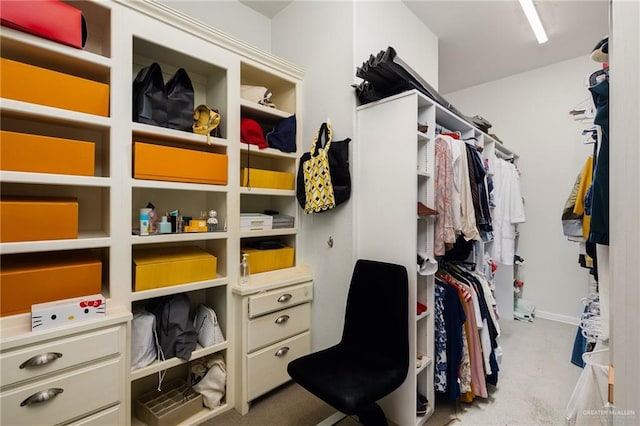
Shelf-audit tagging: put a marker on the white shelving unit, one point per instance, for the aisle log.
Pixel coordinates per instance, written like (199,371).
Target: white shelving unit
(387,230)
(393,173)
(124,37)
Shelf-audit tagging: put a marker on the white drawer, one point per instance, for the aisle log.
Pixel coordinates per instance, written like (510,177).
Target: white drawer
(281,298)
(61,353)
(267,368)
(109,417)
(278,325)
(83,391)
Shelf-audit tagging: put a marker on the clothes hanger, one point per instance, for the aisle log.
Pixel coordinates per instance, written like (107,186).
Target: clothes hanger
(583,110)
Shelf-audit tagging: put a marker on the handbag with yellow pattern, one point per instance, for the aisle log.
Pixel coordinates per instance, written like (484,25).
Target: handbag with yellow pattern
(317,177)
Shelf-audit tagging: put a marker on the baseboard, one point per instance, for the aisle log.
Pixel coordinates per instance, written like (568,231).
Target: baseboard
(557,317)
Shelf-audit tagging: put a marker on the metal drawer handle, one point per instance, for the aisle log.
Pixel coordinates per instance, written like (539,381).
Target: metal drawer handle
(42,396)
(41,359)
(282,351)
(284,298)
(282,319)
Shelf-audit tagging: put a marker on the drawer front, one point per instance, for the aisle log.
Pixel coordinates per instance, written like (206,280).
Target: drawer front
(109,417)
(56,355)
(281,298)
(267,368)
(83,391)
(278,325)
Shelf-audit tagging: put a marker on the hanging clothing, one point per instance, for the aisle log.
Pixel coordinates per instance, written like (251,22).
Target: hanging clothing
(572,227)
(464,219)
(479,193)
(599,233)
(508,213)
(454,318)
(444,230)
(440,370)
(586,177)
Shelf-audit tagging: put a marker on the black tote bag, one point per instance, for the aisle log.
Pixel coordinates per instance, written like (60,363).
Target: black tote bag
(180,101)
(338,168)
(149,97)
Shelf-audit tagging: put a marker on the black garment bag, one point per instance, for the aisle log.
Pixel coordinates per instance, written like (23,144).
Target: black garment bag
(386,74)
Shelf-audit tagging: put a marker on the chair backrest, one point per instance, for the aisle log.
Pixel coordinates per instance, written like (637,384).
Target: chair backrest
(377,312)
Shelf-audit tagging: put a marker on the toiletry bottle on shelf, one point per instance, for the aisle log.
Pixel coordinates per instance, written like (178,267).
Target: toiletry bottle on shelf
(164,227)
(144,221)
(244,270)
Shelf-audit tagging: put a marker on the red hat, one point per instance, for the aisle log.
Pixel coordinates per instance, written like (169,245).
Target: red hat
(251,132)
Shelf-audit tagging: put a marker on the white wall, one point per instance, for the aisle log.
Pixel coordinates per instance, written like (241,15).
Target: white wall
(324,48)
(329,50)
(229,16)
(530,113)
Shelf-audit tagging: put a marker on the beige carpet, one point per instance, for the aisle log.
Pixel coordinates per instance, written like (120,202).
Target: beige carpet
(534,385)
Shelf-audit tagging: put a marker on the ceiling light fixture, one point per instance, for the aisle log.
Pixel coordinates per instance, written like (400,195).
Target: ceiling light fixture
(534,20)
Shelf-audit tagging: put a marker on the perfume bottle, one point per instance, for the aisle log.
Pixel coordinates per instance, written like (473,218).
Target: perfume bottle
(244,270)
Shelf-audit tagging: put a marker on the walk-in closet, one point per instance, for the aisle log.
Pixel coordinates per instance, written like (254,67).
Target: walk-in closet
(301,212)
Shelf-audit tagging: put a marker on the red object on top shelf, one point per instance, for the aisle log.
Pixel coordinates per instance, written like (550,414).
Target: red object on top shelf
(50,19)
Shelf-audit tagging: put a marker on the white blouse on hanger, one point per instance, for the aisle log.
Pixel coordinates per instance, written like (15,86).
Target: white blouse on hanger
(509,211)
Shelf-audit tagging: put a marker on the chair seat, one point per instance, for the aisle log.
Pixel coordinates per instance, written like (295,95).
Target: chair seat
(345,378)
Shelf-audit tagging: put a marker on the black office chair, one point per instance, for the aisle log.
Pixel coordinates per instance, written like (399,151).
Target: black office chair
(372,358)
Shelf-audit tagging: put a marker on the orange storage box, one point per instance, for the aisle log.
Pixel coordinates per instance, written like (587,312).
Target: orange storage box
(23,152)
(258,178)
(35,219)
(28,83)
(33,278)
(157,162)
(269,260)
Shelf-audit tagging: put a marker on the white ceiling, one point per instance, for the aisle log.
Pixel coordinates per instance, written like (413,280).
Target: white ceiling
(483,40)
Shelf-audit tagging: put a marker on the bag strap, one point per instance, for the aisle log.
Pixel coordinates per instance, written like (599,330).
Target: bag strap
(325,133)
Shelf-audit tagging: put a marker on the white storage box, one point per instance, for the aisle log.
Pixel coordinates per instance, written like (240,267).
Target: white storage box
(255,222)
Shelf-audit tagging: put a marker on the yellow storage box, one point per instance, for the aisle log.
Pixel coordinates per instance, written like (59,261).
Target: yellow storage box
(23,152)
(33,278)
(269,260)
(166,163)
(167,266)
(258,178)
(28,83)
(35,219)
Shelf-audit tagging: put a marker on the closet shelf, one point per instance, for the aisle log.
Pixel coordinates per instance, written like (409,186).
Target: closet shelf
(181,186)
(157,366)
(29,45)
(422,137)
(166,134)
(269,233)
(449,120)
(52,115)
(266,152)
(423,315)
(175,238)
(264,191)
(255,109)
(180,288)
(425,363)
(53,179)
(86,239)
